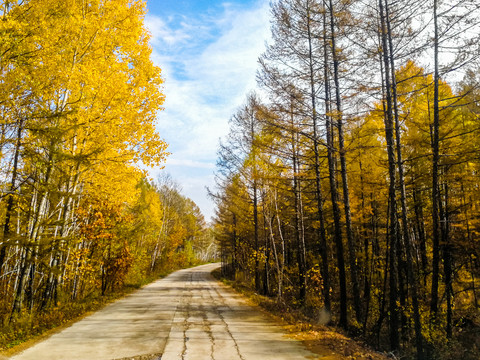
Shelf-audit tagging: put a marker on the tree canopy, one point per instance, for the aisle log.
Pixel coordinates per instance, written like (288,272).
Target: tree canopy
(363,200)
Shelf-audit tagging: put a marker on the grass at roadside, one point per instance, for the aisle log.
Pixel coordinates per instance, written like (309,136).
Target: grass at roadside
(327,341)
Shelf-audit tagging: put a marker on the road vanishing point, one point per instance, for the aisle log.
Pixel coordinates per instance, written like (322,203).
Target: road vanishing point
(186,316)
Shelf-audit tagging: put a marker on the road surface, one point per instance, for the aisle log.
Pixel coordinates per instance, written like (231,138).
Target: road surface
(185,316)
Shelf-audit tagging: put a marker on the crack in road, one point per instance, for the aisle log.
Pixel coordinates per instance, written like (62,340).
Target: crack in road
(186,325)
(192,309)
(206,324)
(220,315)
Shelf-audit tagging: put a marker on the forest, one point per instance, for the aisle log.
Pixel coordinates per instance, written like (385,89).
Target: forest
(348,186)
(80,218)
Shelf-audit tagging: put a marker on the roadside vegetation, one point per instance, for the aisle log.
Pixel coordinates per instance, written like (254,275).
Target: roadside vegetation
(348,184)
(332,343)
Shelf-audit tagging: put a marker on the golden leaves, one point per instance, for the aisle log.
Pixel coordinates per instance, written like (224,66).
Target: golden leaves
(93,91)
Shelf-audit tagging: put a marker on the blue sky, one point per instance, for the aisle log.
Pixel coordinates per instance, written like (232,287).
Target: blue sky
(208,53)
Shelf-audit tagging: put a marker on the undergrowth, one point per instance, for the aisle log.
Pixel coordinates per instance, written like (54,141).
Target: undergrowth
(301,321)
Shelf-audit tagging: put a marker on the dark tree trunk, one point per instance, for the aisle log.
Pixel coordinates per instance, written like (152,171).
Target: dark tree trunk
(334,196)
(318,188)
(255,210)
(299,235)
(234,241)
(393,235)
(343,167)
(403,199)
(337,226)
(266,285)
(435,162)
(13,187)
(420,233)
(447,258)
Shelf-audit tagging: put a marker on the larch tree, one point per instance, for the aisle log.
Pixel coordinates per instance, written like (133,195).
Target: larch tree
(290,70)
(83,97)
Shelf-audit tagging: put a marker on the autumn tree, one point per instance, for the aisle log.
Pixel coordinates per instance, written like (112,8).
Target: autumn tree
(80,95)
(371,143)
(290,70)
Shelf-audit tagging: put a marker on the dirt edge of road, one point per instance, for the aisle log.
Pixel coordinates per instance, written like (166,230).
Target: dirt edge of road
(322,340)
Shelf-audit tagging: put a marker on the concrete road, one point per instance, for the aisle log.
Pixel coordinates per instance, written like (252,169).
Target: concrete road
(187,315)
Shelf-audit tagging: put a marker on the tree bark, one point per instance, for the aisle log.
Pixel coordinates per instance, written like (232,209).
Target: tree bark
(393,235)
(447,257)
(12,190)
(435,162)
(403,199)
(343,167)
(299,234)
(336,220)
(318,187)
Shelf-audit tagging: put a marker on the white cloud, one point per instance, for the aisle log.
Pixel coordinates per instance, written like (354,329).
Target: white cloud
(163,34)
(209,65)
(190,163)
